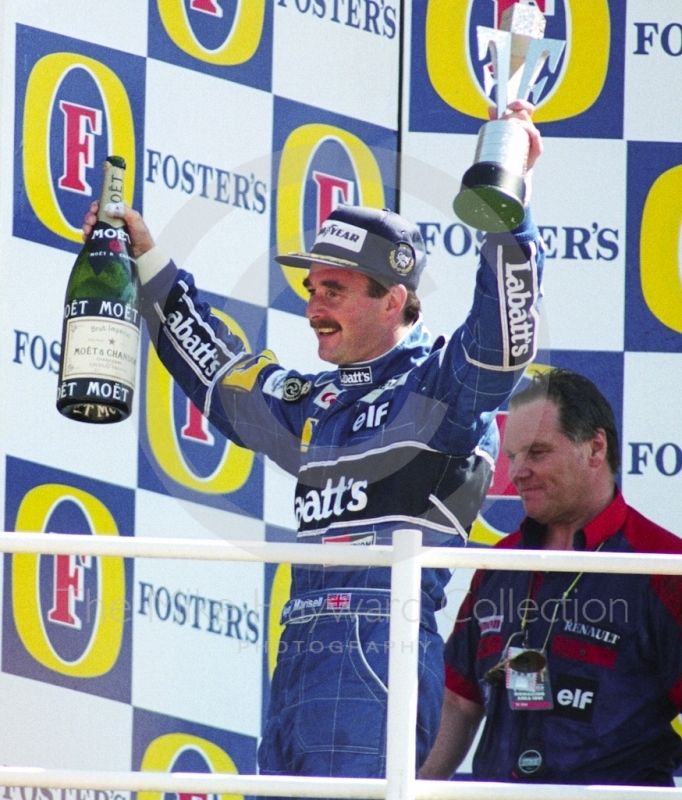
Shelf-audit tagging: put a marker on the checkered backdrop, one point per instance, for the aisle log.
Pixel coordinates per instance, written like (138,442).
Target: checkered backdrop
(242,126)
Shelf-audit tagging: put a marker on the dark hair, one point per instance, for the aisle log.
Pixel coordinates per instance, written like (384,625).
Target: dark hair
(583,409)
(412,307)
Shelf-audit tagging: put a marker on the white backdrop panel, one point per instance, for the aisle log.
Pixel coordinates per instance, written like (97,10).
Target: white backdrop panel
(206,189)
(199,659)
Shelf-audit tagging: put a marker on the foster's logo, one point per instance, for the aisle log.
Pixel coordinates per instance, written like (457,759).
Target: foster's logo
(214,31)
(218,37)
(452,68)
(323,165)
(654,223)
(167,744)
(69,614)
(76,104)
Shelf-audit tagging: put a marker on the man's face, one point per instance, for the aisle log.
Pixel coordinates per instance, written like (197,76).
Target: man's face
(350,326)
(551,472)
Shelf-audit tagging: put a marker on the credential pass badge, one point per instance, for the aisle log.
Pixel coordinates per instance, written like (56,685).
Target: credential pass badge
(529,691)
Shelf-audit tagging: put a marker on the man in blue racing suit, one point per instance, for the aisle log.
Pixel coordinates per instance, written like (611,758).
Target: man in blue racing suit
(402,433)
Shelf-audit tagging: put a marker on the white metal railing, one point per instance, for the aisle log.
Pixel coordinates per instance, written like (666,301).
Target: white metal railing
(406,558)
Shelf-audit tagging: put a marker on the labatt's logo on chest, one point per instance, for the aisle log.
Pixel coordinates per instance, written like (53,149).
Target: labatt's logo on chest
(334,500)
(355,376)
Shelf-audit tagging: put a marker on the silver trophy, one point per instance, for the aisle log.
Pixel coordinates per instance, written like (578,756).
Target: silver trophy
(493,190)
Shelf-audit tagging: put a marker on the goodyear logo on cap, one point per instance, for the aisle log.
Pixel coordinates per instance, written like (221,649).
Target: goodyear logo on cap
(66,618)
(342,234)
(76,104)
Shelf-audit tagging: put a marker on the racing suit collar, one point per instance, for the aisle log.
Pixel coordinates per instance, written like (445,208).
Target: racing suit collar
(399,359)
(606,524)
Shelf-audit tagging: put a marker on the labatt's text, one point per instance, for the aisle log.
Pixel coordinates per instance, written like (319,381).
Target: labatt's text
(195,341)
(519,298)
(331,501)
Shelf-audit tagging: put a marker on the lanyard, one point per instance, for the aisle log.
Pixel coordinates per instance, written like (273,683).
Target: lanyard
(564,596)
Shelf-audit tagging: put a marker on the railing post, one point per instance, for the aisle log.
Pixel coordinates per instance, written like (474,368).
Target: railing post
(402,665)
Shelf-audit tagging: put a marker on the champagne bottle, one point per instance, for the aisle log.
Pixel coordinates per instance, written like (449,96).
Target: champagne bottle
(100,337)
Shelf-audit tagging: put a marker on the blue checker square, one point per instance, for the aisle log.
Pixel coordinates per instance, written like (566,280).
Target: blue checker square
(653,288)
(232,41)
(67,620)
(320,160)
(167,744)
(582,95)
(75,104)
(180,453)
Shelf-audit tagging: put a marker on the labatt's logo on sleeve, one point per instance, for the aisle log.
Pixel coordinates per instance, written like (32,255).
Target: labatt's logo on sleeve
(457,74)
(75,110)
(213,31)
(321,167)
(174,423)
(185,752)
(71,613)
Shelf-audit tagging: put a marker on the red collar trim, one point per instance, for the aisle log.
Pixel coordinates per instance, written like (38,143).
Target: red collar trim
(607,523)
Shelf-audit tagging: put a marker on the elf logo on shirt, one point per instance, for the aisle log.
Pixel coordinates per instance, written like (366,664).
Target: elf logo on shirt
(575,697)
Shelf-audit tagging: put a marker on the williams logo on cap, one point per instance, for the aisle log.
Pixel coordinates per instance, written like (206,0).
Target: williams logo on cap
(402,259)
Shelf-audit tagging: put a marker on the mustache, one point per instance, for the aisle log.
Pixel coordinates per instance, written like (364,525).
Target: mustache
(328,324)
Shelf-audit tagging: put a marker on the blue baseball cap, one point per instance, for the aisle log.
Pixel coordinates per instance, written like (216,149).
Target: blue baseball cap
(377,242)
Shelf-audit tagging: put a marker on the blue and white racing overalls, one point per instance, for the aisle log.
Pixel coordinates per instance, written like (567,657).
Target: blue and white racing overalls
(407,439)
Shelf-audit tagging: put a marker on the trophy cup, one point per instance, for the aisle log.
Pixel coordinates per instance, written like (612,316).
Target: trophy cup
(493,190)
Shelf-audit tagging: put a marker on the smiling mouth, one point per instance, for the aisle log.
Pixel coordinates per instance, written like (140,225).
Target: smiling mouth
(325,327)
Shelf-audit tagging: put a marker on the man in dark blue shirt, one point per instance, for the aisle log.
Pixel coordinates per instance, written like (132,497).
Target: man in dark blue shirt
(578,676)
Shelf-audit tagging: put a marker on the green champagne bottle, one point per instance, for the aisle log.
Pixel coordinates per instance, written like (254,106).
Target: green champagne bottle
(100,337)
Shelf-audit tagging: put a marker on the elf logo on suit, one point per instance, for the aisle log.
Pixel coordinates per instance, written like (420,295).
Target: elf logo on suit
(457,75)
(76,104)
(67,617)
